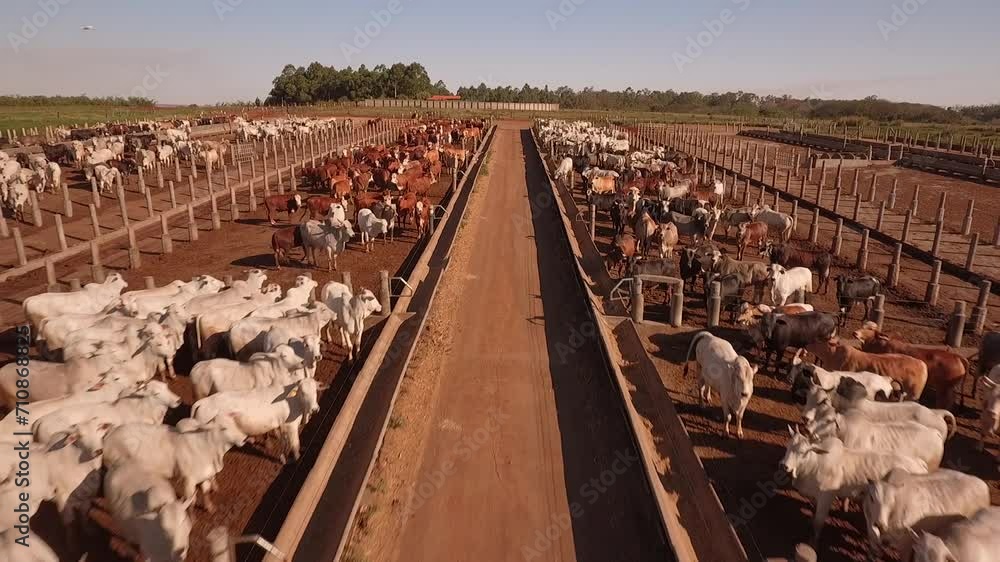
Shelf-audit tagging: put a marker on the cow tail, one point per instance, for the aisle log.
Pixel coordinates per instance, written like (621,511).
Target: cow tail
(787,234)
(197,333)
(949,418)
(687,358)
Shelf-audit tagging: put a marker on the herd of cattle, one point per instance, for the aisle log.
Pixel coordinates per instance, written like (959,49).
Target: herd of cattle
(97,409)
(865,434)
(379,187)
(109,153)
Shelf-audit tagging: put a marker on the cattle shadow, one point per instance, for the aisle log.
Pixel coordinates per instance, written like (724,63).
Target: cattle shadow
(593,431)
(266,261)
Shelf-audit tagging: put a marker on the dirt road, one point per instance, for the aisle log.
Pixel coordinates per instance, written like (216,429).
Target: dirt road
(521,452)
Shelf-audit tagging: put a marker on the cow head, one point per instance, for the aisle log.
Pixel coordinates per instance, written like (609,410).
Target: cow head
(176,525)
(930,548)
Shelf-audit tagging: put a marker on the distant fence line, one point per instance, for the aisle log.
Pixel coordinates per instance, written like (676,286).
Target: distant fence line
(459,104)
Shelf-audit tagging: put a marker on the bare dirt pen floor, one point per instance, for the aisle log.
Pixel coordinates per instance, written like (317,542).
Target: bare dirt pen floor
(743,472)
(506,442)
(255,490)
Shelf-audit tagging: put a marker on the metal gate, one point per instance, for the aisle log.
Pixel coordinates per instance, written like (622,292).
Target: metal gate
(243,152)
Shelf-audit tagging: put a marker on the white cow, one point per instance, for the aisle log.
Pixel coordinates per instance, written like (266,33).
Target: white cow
(826,470)
(239,292)
(66,471)
(976,539)
(783,223)
(295,297)
(212,326)
(94,158)
(148,404)
(53,175)
(107,389)
(902,503)
(148,512)
(371,228)
(91,299)
(247,336)
(280,366)
(165,153)
(16,197)
(989,418)
(564,170)
(942,421)
(263,410)
(308,348)
(157,302)
(874,383)
(723,370)
(330,234)
(785,282)
(145,158)
(905,438)
(107,178)
(195,458)
(350,314)
(55,380)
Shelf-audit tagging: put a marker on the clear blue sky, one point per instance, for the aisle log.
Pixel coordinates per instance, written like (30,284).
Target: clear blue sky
(945,52)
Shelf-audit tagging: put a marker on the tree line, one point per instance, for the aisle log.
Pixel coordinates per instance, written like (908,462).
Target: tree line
(319,83)
(76,100)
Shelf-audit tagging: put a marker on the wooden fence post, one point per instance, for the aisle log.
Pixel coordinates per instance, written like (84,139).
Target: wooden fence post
(96,268)
(931,296)
(980,311)
(50,275)
(22,259)
(897,257)
(36,211)
(192,224)
(95,195)
(838,237)
(814,227)
(122,207)
(862,263)
(956,326)
(892,194)
(166,241)
(134,258)
(970,259)
(881,216)
(967,222)
(60,232)
(907,219)
(938,232)
(149,203)
(915,202)
(234,210)
(216,219)
(857,206)
(67,203)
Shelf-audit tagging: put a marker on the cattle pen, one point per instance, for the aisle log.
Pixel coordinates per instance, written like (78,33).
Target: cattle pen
(767,516)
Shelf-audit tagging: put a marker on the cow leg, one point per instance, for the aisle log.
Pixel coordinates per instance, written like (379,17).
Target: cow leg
(823,504)
(206,488)
(292,437)
(727,416)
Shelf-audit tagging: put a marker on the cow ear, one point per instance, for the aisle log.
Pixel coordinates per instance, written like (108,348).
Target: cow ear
(792,430)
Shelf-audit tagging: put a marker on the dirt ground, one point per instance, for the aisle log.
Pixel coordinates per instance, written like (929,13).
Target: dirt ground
(255,491)
(739,470)
(506,442)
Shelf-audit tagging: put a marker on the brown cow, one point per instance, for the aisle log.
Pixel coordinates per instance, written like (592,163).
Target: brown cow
(910,373)
(283,241)
(623,248)
(287,203)
(423,215)
(945,370)
(754,233)
(340,187)
(366,199)
(319,205)
(406,205)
